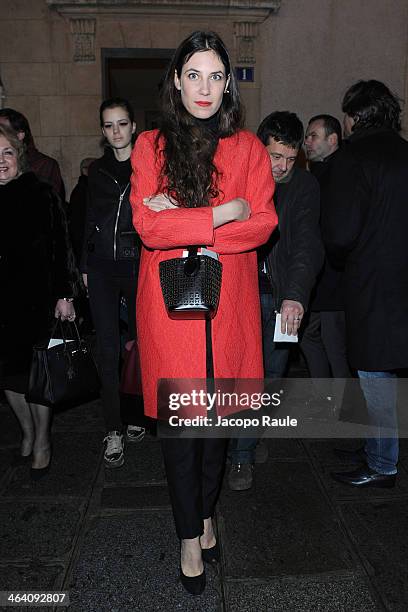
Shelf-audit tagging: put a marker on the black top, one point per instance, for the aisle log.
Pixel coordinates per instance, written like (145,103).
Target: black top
(111,241)
(121,170)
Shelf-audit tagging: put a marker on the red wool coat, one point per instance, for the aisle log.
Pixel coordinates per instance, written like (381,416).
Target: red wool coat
(176,349)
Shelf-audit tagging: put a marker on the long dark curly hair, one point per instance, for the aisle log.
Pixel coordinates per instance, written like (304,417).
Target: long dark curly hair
(189,174)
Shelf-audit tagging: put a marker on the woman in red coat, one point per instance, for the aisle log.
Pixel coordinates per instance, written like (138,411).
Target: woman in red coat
(200,180)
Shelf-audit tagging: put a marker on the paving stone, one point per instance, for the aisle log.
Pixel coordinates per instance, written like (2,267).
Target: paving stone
(75,460)
(85,417)
(143,464)
(380,531)
(7,456)
(32,530)
(135,497)
(293,529)
(132,563)
(36,576)
(285,449)
(332,595)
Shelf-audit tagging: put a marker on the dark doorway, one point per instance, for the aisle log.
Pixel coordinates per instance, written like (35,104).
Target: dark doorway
(135,74)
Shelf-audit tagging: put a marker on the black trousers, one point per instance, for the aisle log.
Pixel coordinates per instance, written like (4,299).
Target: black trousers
(105,291)
(194,469)
(323,344)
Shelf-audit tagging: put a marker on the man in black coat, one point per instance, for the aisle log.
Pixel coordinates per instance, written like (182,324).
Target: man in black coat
(365,233)
(323,339)
(289,262)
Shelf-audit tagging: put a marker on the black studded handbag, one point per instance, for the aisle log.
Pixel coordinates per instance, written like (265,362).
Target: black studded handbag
(191,285)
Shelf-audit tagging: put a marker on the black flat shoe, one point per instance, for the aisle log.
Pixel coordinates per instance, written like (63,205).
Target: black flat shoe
(194,585)
(356,455)
(37,474)
(211,555)
(365,477)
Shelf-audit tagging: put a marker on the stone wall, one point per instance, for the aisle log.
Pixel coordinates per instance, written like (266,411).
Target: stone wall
(315,49)
(305,57)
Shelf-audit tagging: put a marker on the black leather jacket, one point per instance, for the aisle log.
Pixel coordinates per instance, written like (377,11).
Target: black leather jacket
(109,233)
(294,253)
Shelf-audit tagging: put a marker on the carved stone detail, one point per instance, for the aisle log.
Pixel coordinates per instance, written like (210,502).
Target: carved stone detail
(254,9)
(83,34)
(245,34)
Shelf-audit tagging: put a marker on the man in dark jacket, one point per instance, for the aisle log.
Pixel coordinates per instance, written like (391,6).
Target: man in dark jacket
(323,339)
(365,232)
(289,262)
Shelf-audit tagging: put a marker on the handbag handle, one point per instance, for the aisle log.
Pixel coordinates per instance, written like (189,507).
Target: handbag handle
(192,263)
(60,323)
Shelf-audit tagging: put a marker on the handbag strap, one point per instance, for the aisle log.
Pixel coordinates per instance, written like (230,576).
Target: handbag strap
(59,323)
(192,262)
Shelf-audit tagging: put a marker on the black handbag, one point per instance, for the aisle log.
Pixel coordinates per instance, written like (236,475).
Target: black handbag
(191,285)
(63,375)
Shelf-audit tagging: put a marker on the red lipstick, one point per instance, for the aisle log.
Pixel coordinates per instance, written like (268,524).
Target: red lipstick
(202,103)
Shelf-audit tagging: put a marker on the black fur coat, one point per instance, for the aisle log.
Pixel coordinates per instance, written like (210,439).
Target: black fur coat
(36,268)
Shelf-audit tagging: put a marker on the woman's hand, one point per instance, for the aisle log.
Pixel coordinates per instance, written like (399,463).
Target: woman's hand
(159,202)
(237,209)
(64,310)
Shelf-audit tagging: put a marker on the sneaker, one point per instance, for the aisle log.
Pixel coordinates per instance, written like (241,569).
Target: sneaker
(134,433)
(113,455)
(261,452)
(240,476)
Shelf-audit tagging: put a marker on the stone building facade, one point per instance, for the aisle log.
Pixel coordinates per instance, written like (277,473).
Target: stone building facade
(293,54)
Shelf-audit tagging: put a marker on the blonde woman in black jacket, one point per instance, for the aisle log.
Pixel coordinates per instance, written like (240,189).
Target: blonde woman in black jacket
(110,261)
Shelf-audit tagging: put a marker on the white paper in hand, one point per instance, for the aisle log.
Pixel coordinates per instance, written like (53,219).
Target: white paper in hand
(278,336)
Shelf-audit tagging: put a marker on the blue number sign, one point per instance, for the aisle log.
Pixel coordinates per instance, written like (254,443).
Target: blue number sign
(245,74)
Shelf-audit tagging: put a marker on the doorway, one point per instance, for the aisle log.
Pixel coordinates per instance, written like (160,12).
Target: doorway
(136,74)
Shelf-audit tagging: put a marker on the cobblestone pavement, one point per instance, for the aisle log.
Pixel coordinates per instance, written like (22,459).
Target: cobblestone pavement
(297,541)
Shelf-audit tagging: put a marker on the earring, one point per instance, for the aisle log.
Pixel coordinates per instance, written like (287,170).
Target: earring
(226,90)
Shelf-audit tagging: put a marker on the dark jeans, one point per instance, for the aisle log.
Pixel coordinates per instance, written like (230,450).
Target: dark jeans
(275,356)
(194,468)
(105,291)
(380,392)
